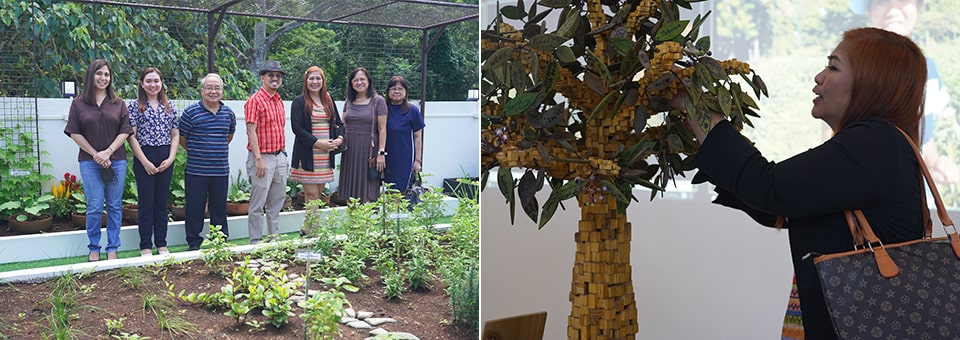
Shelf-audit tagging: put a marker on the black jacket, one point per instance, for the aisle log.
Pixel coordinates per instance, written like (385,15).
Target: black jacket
(300,122)
(868,165)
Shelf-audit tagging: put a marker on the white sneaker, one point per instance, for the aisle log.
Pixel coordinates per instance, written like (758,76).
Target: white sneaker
(163,251)
(146,252)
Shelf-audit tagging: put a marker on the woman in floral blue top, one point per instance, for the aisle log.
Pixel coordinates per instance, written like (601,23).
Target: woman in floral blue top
(153,119)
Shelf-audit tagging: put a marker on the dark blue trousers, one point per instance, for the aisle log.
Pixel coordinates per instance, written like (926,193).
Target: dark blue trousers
(201,192)
(153,192)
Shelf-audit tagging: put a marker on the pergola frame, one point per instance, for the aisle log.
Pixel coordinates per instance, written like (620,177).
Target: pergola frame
(445,14)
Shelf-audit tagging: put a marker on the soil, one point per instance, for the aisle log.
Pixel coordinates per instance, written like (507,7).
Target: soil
(111,295)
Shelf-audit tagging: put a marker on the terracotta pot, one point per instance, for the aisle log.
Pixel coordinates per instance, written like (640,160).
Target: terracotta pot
(237,209)
(80,220)
(130,213)
(179,212)
(41,223)
(300,198)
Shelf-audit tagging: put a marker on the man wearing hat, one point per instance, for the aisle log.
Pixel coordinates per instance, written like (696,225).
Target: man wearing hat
(267,156)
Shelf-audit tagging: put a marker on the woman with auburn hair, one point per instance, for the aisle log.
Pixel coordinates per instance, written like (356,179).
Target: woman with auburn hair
(99,124)
(154,143)
(873,84)
(318,134)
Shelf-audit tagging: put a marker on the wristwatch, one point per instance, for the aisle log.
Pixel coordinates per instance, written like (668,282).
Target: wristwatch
(382,152)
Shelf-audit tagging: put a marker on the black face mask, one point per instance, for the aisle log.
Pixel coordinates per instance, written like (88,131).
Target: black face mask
(107,175)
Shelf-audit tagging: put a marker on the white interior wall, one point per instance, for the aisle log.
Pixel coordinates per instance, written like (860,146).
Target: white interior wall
(700,270)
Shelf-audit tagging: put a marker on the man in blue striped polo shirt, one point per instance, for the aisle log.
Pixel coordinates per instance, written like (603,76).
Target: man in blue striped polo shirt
(206,129)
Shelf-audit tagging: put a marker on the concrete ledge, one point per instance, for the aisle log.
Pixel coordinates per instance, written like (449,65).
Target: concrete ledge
(47,273)
(21,248)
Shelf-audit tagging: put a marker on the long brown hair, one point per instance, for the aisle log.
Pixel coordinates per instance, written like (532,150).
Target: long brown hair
(142,94)
(398,80)
(890,73)
(324,94)
(89,94)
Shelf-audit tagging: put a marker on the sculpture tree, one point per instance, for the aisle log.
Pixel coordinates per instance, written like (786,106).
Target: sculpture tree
(581,102)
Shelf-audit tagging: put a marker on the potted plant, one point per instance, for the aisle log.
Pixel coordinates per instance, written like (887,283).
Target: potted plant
(130,196)
(62,204)
(30,214)
(580,103)
(238,199)
(79,215)
(178,194)
(21,180)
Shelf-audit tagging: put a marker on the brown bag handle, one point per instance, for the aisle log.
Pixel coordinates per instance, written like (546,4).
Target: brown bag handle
(861,231)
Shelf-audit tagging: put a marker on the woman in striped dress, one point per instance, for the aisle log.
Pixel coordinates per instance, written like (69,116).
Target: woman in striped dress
(318,134)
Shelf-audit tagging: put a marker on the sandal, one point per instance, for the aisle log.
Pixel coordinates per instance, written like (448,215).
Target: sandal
(93,256)
(112,255)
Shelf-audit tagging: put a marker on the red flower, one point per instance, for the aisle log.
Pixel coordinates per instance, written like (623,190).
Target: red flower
(66,176)
(73,178)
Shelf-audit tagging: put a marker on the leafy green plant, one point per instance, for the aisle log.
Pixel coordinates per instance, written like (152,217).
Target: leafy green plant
(418,272)
(178,192)
(219,252)
(114,325)
(21,177)
(239,189)
(129,336)
(322,311)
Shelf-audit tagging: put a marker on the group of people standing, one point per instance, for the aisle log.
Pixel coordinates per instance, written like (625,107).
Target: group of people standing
(372,131)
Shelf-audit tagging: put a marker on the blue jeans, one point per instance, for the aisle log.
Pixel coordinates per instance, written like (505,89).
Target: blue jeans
(99,194)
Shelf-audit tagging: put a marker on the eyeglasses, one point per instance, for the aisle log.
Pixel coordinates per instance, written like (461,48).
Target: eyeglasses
(274,75)
(213,88)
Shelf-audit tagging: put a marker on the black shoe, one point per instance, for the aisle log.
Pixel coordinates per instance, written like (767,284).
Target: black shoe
(303,233)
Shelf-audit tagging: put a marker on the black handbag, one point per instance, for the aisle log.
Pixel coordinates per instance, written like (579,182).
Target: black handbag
(414,190)
(907,290)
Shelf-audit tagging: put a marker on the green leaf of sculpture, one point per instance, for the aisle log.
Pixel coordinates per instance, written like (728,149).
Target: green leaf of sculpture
(726,103)
(547,42)
(513,12)
(527,192)
(505,182)
(662,82)
(703,44)
(549,118)
(760,84)
(714,67)
(570,23)
(598,66)
(549,208)
(565,55)
(550,76)
(498,58)
(554,3)
(519,104)
(671,30)
(615,191)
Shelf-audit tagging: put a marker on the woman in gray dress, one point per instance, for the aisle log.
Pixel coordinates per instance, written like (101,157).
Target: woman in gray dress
(363,107)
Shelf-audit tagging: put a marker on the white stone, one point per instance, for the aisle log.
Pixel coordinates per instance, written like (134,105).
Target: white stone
(363,315)
(378,321)
(346,319)
(378,331)
(359,325)
(350,312)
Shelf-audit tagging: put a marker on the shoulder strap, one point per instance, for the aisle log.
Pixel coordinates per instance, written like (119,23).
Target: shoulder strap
(862,232)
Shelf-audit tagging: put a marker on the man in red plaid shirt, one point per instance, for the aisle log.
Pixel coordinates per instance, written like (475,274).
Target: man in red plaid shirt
(267,156)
